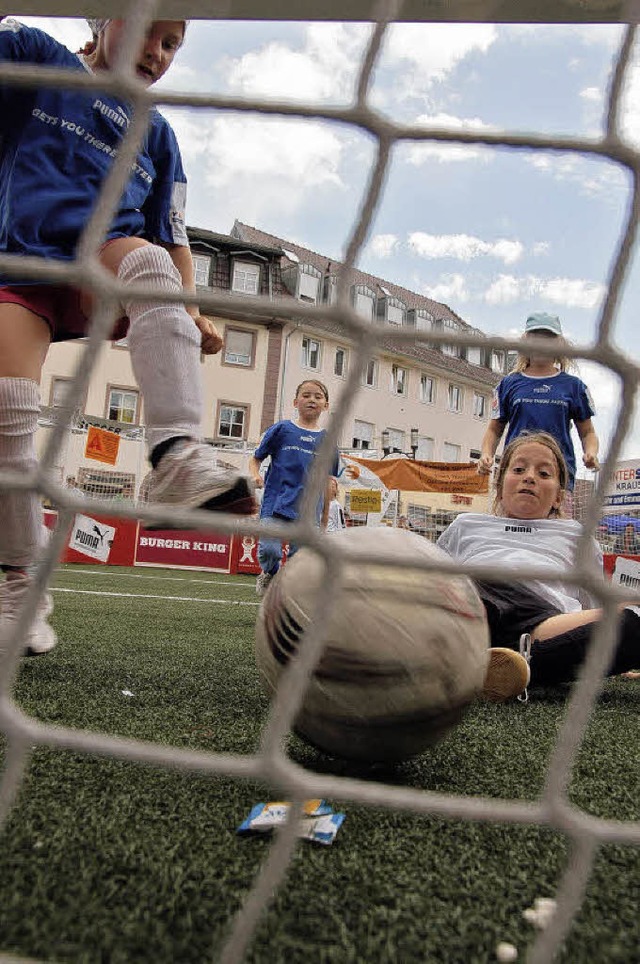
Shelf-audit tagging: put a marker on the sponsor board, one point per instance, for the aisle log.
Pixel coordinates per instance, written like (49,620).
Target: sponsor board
(626,572)
(183,549)
(91,538)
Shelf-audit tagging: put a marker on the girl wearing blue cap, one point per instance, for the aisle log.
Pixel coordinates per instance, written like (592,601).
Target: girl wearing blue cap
(539,395)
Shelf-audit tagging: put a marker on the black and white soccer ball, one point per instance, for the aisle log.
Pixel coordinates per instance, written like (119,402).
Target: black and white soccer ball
(405,650)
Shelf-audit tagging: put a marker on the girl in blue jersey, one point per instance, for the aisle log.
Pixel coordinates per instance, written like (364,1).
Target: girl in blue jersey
(540,395)
(56,148)
(291,447)
(553,622)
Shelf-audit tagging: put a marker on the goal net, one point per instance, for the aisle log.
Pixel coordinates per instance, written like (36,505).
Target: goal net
(64,468)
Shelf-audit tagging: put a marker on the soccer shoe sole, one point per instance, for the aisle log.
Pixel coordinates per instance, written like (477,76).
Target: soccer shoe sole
(238,500)
(507,675)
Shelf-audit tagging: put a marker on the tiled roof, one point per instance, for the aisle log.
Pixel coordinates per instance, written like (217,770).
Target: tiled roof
(428,356)
(325,265)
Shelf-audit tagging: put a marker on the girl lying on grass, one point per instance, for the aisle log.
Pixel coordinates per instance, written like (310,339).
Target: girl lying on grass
(527,529)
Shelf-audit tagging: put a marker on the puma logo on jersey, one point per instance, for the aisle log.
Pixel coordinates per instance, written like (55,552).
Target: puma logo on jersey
(117,116)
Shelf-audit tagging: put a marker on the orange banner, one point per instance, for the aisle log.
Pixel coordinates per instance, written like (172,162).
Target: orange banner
(102,445)
(415,476)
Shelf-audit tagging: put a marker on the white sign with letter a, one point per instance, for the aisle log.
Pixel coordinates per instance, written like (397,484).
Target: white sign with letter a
(92,538)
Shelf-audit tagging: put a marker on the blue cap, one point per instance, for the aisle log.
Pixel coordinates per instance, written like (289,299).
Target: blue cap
(541,321)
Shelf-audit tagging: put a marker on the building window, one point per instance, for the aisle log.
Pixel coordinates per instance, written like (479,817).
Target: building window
(427,389)
(455,399)
(425,449)
(497,361)
(231,421)
(59,392)
(340,362)
(310,354)
(474,355)
(246,278)
(479,405)
(370,377)
(398,380)
(475,455)
(362,434)
(123,405)
(202,270)
(451,452)
(239,347)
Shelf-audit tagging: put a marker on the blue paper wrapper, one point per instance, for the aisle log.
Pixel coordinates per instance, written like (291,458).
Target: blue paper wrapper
(318,824)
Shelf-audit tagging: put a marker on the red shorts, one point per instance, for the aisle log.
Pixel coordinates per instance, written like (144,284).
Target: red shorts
(60,306)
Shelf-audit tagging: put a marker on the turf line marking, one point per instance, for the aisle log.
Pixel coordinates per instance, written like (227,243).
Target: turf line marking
(135,575)
(139,595)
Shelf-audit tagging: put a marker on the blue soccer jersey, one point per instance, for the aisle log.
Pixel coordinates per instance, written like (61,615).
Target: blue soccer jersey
(57,147)
(548,403)
(291,449)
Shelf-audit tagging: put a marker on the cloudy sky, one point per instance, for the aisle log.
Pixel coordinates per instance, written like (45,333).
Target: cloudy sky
(495,234)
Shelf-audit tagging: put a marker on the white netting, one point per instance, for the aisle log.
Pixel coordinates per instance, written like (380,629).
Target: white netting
(553,809)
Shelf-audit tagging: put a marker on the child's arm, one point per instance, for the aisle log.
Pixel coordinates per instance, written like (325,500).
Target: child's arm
(254,472)
(181,257)
(590,444)
(490,440)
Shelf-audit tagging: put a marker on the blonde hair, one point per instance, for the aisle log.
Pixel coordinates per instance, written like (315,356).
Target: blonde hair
(542,438)
(564,364)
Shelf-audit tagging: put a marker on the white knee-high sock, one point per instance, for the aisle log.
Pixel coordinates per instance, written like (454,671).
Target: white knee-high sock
(165,348)
(21,526)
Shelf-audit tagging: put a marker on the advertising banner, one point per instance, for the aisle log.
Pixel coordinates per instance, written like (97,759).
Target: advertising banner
(624,490)
(183,549)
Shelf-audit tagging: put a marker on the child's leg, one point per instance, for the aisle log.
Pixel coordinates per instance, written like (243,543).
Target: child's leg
(24,339)
(557,659)
(165,354)
(270,555)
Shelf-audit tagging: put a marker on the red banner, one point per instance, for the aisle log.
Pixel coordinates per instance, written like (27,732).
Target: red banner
(183,549)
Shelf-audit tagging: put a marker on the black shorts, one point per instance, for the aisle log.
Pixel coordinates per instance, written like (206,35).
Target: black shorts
(512,609)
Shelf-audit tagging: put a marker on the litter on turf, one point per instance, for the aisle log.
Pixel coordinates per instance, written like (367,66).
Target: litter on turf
(319,822)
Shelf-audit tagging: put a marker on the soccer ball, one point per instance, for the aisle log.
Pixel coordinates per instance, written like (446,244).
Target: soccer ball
(405,650)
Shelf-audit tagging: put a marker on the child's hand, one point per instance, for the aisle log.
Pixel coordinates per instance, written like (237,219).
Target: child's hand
(211,340)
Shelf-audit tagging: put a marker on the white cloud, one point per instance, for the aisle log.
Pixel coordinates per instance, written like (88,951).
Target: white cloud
(450,288)
(72,33)
(463,247)
(540,248)
(418,153)
(432,51)
(323,69)
(593,94)
(570,292)
(384,245)
(254,167)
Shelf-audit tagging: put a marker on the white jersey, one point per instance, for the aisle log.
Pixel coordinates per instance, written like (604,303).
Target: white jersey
(513,543)
(335,519)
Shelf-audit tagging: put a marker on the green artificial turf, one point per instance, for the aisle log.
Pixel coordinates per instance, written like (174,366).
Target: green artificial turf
(109,861)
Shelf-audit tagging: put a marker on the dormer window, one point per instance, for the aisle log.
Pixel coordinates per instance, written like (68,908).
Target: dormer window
(453,350)
(391,310)
(202,270)
(363,300)
(308,283)
(245,278)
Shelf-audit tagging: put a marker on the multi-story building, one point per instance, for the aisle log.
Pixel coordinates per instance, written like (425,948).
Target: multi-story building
(441,393)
